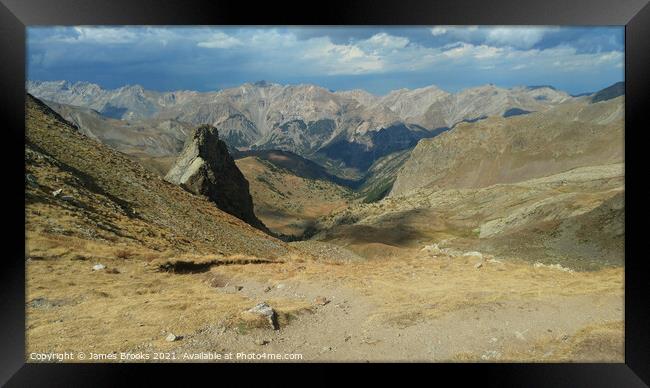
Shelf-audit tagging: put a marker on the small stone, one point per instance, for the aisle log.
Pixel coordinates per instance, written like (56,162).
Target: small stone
(327,348)
(267,289)
(321,300)
(171,337)
(56,193)
(113,271)
(478,265)
(264,311)
(280,286)
(98,267)
(239,288)
(67,198)
(261,342)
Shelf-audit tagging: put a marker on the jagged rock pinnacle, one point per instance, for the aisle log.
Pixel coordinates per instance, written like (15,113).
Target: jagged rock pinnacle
(205,167)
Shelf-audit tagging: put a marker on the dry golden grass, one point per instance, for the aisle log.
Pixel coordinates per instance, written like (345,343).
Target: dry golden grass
(402,285)
(287,203)
(604,342)
(72,308)
(105,312)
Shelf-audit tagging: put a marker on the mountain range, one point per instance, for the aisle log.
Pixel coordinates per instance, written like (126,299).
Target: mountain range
(345,131)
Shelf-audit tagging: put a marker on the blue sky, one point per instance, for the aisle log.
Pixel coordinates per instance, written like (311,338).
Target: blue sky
(377,59)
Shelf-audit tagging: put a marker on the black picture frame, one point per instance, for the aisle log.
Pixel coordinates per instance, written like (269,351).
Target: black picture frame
(15,15)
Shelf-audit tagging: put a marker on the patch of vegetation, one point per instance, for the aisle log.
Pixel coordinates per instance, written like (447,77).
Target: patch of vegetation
(379,191)
(270,185)
(242,328)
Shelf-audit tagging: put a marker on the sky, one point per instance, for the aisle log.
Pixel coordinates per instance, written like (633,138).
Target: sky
(376,59)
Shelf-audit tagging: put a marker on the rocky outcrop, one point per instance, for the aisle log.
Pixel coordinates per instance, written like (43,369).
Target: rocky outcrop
(205,167)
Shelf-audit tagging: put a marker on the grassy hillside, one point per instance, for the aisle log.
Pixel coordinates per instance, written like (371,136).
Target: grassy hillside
(513,149)
(288,203)
(108,199)
(574,218)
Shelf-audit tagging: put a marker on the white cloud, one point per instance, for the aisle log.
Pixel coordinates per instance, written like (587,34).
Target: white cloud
(102,35)
(437,31)
(458,51)
(491,51)
(340,58)
(219,40)
(383,40)
(518,37)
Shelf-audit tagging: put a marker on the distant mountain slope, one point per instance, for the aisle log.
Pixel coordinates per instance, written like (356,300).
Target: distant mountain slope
(352,129)
(295,164)
(152,137)
(618,89)
(507,150)
(106,198)
(289,200)
(364,151)
(381,176)
(489,100)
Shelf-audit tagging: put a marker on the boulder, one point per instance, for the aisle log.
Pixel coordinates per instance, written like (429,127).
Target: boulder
(67,198)
(262,315)
(205,167)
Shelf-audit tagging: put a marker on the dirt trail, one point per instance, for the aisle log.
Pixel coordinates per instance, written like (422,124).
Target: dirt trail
(348,328)
(413,309)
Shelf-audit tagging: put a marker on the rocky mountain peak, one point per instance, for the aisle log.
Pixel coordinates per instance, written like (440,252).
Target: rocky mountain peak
(205,167)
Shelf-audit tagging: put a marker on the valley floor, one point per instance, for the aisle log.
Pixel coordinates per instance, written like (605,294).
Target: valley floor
(425,305)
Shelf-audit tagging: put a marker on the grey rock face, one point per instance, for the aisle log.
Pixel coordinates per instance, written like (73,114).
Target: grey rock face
(205,167)
(352,127)
(265,311)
